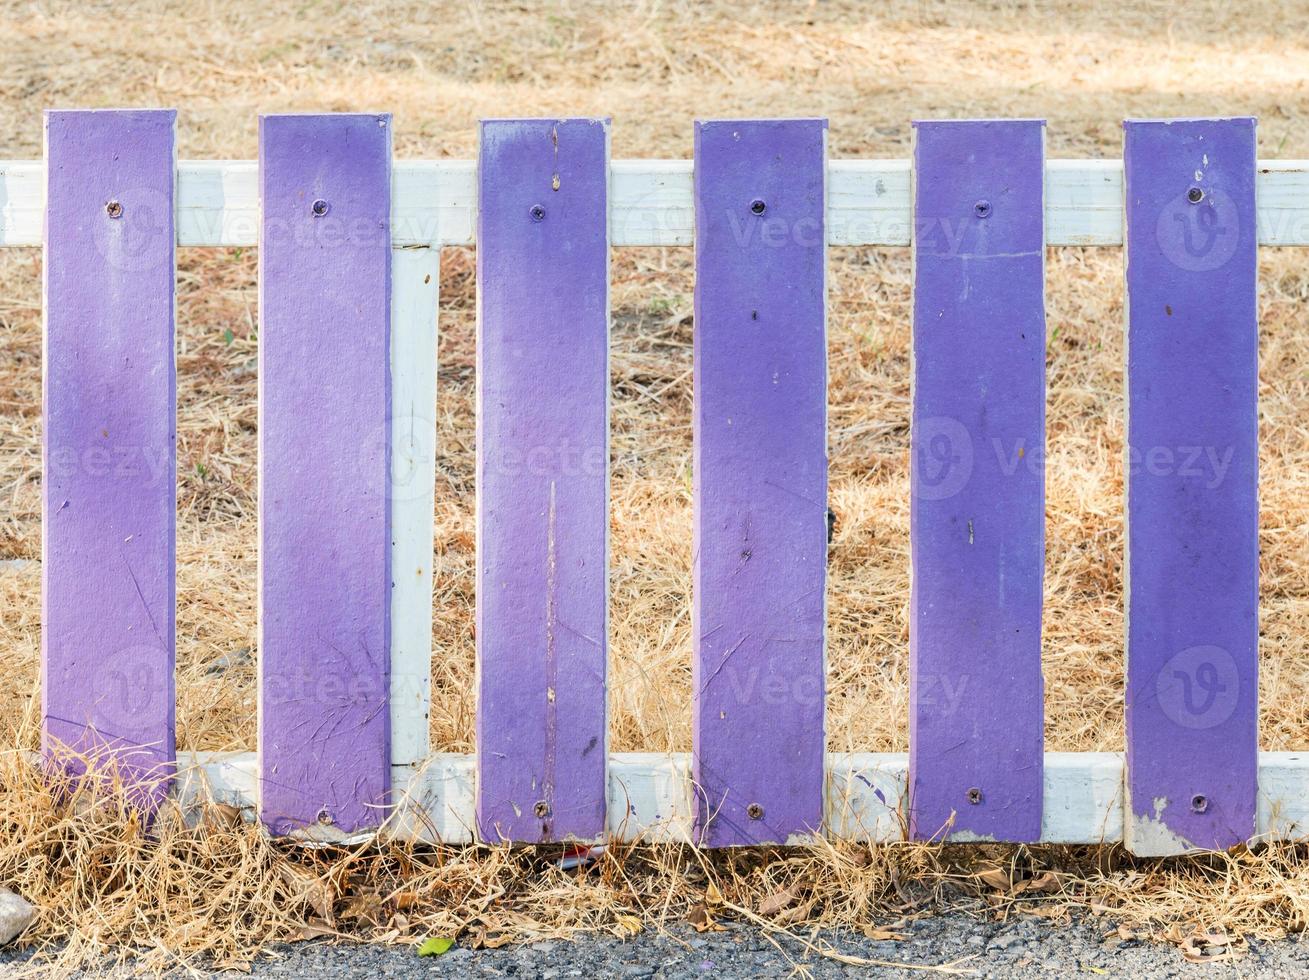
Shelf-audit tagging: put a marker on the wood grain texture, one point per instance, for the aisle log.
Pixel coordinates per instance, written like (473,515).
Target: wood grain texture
(977,537)
(109,498)
(324,439)
(760,482)
(542,479)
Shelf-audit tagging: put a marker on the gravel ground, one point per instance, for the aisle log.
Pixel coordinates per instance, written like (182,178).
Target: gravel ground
(1025,948)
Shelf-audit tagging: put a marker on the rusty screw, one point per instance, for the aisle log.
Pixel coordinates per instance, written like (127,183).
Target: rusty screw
(1195,195)
(754,811)
(319,208)
(974,795)
(537,212)
(114,209)
(1199,803)
(982,209)
(757,206)
(542,809)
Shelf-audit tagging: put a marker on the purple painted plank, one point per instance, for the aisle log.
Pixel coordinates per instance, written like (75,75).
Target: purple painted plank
(1192,518)
(109,492)
(543,478)
(978,477)
(760,478)
(325,391)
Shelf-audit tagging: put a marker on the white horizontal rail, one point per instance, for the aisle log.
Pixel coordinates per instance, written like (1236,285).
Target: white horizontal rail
(435,202)
(651,796)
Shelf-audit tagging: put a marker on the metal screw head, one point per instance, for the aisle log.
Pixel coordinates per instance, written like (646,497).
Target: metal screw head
(1195,195)
(757,206)
(114,209)
(324,817)
(1199,803)
(982,209)
(537,212)
(974,795)
(542,809)
(319,208)
(754,811)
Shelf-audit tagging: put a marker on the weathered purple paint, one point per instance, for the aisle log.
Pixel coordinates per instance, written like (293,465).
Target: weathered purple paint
(543,478)
(324,376)
(1192,516)
(109,489)
(978,479)
(760,424)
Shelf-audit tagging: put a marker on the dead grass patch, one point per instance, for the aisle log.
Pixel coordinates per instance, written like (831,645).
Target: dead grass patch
(220,889)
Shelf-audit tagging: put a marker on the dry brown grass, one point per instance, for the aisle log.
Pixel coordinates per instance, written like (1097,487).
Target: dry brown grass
(204,889)
(655,67)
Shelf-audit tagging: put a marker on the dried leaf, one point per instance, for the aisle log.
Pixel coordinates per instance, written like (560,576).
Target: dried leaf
(314,929)
(882,935)
(365,907)
(628,925)
(995,878)
(777,901)
(307,888)
(700,918)
(712,895)
(1046,881)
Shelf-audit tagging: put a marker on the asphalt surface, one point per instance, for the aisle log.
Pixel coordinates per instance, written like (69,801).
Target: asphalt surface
(966,946)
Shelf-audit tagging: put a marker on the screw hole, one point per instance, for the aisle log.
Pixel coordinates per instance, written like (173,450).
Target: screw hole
(757,206)
(754,811)
(982,209)
(1195,195)
(324,817)
(319,208)
(974,795)
(538,212)
(114,209)
(1199,803)
(542,809)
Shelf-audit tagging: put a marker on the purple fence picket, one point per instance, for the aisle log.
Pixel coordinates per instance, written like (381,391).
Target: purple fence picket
(978,476)
(1192,507)
(109,509)
(543,478)
(760,548)
(324,377)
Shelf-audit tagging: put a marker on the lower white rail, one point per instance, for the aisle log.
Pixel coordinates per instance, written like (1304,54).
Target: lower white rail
(652,798)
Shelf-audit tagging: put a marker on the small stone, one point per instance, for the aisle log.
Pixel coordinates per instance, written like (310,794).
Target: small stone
(16,914)
(1005,941)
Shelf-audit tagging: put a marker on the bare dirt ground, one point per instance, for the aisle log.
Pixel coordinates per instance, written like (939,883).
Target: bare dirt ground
(654,67)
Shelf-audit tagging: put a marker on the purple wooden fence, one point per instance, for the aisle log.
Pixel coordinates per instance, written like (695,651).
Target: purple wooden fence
(760,478)
(761,227)
(1192,514)
(543,478)
(324,434)
(109,509)
(978,475)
